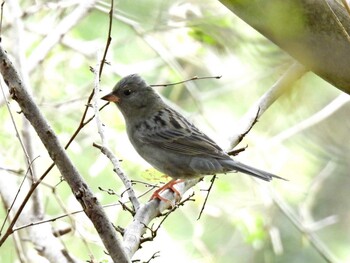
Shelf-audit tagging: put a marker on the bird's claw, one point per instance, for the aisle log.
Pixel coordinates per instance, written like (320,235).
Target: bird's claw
(169,185)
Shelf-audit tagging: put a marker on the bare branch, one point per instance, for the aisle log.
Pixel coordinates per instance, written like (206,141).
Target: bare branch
(109,39)
(184,81)
(285,82)
(212,181)
(146,213)
(83,194)
(295,72)
(104,149)
(118,170)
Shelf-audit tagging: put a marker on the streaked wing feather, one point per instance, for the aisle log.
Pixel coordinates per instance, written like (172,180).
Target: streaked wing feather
(178,135)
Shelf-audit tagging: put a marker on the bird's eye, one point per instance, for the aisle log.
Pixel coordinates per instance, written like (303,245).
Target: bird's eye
(127,92)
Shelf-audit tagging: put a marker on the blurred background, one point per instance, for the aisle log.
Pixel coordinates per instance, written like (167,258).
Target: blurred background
(303,136)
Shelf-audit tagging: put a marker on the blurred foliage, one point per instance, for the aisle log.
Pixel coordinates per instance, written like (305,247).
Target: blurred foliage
(167,41)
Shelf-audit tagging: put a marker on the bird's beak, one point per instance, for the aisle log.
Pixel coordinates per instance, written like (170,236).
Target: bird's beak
(110,97)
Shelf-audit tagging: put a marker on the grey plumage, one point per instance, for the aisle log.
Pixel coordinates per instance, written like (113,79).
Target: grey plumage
(166,139)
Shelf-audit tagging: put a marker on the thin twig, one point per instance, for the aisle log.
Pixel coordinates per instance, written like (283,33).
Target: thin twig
(184,81)
(104,149)
(53,219)
(235,152)
(109,39)
(207,196)
(165,216)
(27,130)
(1,16)
(117,169)
(241,136)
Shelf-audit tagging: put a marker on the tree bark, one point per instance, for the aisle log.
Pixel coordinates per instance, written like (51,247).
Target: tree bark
(314,32)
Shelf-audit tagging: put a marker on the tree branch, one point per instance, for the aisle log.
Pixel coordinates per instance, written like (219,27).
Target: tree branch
(316,33)
(105,150)
(294,72)
(80,189)
(146,213)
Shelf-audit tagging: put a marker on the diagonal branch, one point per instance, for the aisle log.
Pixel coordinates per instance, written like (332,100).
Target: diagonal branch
(80,189)
(294,72)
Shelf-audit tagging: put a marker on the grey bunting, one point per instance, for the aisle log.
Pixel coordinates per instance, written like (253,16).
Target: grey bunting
(167,140)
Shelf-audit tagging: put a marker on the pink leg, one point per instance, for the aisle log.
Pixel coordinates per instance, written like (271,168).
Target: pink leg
(168,185)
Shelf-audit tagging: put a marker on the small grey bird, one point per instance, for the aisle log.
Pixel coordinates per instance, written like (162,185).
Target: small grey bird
(167,140)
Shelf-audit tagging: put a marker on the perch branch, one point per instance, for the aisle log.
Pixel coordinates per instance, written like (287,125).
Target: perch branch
(134,231)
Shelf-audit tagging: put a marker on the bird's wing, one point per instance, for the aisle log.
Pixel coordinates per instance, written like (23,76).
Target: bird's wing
(169,130)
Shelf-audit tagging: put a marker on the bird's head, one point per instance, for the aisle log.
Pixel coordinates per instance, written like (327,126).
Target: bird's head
(134,97)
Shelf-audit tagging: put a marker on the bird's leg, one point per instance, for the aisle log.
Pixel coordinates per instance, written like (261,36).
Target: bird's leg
(168,185)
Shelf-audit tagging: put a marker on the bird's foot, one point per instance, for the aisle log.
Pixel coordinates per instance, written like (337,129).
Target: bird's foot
(168,185)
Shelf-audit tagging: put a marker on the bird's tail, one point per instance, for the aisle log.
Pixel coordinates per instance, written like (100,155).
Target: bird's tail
(243,168)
